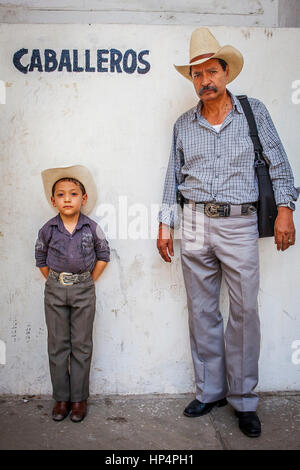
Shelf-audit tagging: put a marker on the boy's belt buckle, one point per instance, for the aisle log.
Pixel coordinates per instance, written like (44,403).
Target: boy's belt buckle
(62,280)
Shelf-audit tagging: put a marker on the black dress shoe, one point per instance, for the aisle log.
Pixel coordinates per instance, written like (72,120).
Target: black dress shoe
(249,423)
(197,408)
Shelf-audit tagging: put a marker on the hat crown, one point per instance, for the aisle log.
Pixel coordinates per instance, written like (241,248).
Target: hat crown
(203,42)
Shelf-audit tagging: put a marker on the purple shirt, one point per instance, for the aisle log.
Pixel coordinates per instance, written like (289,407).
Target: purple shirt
(73,253)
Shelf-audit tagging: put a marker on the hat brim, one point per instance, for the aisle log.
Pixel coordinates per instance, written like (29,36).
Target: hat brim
(79,172)
(230,54)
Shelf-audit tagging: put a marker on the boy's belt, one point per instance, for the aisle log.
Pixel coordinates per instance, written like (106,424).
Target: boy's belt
(219,209)
(68,279)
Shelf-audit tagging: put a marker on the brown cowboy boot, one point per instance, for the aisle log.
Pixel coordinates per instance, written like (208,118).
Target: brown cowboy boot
(61,410)
(78,411)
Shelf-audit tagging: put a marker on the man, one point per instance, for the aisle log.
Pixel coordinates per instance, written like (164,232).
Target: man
(212,161)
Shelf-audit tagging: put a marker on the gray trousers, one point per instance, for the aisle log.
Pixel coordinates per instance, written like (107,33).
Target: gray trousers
(226,365)
(70,312)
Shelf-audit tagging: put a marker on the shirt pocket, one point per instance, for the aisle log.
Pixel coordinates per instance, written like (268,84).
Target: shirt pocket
(87,244)
(242,152)
(58,247)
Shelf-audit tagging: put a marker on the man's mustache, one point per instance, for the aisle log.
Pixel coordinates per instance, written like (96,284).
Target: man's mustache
(205,88)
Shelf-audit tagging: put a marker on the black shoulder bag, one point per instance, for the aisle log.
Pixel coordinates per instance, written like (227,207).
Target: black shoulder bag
(266,206)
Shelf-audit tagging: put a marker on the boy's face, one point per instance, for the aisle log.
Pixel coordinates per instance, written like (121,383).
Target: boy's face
(68,198)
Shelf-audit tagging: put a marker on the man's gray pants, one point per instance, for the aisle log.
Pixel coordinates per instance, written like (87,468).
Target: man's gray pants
(225,365)
(70,312)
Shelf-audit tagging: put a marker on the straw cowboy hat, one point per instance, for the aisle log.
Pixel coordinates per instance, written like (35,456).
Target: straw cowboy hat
(80,173)
(204,46)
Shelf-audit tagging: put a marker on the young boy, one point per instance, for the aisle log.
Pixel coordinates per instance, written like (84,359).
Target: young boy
(71,252)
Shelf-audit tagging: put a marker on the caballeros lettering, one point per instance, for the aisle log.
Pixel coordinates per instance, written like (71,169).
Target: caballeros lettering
(101,60)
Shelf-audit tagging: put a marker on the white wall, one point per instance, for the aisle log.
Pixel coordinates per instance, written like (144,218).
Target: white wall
(289,13)
(269,13)
(120,126)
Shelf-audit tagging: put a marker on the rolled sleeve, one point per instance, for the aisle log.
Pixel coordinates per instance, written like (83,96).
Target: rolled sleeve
(169,213)
(101,244)
(279,167)
(41,249)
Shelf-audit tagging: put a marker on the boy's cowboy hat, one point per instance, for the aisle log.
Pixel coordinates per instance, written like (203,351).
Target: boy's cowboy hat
(204,46)
(80,173)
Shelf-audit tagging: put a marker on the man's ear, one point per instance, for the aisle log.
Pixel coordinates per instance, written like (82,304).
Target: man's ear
(53,201)
(227,72)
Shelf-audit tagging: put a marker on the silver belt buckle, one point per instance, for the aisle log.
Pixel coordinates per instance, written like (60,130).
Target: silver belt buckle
(62,281)
(211,209)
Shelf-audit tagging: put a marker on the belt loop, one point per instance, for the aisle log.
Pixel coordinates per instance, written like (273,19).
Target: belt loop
(193,204)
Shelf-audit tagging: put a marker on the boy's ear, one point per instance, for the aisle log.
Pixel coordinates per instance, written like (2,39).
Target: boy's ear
(84,199)
(53,201)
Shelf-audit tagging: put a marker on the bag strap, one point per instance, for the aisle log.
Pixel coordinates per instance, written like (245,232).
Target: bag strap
(259,159)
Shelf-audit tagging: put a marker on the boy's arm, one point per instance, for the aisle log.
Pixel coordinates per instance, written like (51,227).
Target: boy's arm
(98,269)
(41,250)
(45,271)
(102,251)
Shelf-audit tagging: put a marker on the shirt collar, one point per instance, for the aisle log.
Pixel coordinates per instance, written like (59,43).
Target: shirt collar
(235,102)
(82,220)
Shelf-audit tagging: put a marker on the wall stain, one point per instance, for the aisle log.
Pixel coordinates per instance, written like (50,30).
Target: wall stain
(268,33)
(288,315)
(121,274)
(246,33)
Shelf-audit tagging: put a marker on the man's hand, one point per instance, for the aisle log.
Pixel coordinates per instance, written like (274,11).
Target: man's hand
(284,229)
(165,242)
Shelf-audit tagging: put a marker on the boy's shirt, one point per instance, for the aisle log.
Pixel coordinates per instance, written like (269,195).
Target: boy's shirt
(74,253)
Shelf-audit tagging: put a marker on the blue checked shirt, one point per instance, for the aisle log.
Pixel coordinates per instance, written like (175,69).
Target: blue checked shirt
(206,165)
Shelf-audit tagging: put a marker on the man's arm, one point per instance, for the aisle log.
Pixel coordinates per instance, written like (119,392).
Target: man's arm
(168,213)
(282,179)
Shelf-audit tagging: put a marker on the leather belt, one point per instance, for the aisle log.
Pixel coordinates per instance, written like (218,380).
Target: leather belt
(220,209)
(68,279)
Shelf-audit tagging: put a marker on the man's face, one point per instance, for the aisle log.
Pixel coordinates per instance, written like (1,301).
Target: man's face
(68,198)
(209,79)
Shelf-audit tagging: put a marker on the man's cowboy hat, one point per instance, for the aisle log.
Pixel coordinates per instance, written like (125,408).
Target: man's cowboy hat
(204,46)
(80,173)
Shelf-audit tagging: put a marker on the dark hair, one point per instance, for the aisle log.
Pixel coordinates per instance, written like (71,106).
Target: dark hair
(221,62)
(73,180)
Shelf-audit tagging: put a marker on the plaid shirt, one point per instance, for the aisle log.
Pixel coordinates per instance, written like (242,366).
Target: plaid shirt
(206,165)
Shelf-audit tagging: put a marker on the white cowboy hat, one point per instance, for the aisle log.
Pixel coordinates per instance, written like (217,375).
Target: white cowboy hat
(80,173)
(204,46)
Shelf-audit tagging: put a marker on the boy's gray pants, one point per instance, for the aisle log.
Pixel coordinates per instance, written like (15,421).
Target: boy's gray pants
(225,365)
(70,312)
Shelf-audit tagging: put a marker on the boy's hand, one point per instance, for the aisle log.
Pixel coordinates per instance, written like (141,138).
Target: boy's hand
(45,271)
(98,269)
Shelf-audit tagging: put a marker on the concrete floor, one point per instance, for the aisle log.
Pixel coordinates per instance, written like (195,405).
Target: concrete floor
(153,422)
